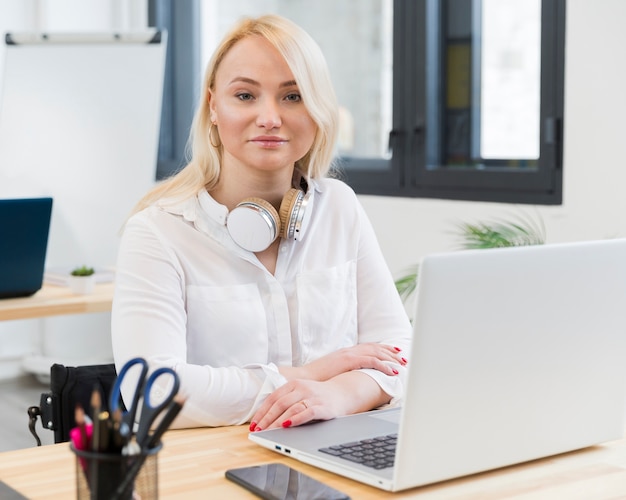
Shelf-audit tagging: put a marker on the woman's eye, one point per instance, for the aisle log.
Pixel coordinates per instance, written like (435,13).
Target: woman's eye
(244,96)
(294,97)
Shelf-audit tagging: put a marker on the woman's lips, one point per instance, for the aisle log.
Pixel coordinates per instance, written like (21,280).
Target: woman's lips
(267,141)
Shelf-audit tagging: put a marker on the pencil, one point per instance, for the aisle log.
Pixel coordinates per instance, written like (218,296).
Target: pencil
(79,418)
(96,405)
(94,465)
(80,437)
(117,437)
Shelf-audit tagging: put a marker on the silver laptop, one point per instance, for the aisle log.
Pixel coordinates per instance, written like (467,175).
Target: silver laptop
(518,353)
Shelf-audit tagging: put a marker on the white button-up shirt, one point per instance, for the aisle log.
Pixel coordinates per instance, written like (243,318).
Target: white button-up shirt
(188,297)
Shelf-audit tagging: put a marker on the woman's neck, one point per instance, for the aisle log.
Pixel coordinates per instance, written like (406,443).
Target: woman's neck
(236,184)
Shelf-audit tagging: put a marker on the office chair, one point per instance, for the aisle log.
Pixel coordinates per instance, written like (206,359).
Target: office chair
(70,386)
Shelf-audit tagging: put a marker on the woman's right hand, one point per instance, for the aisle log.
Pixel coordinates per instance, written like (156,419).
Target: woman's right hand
(379,357)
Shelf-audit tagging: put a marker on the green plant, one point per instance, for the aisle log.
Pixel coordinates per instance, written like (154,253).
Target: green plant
(494,234)
(407,284)
(500,233)
(83,271)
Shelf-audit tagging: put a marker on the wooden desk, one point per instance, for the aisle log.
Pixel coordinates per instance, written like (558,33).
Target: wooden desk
(54,300)
(193,461)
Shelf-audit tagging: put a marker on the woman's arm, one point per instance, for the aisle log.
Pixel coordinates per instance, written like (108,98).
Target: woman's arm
(149,319)
(301,401)
(380,357)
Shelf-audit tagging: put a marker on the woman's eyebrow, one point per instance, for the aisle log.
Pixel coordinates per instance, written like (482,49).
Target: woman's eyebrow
(251,81)
(244,79)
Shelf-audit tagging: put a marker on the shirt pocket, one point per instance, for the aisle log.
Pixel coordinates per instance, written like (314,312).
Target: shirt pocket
(226,326)
(327,301)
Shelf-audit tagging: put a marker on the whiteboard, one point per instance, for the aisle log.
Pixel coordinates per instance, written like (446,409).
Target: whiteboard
(79,121)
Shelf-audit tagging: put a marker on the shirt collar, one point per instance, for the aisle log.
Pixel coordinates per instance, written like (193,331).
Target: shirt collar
(203,207)
(212,208)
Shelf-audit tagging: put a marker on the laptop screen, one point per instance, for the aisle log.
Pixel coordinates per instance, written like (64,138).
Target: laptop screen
(24,228)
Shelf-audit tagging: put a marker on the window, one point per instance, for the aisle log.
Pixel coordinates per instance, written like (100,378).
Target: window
(452,99)
(478,103)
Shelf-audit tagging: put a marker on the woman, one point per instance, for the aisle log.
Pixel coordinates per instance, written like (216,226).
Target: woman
(269,331)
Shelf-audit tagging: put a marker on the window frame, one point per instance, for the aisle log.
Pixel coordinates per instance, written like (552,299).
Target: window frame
(406,174)
(180,19)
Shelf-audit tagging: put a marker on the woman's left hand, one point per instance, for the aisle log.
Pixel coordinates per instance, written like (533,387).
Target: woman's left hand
(301,401)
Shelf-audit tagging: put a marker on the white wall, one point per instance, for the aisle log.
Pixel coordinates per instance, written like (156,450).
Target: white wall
(594,166)
(94,183)
(594,205)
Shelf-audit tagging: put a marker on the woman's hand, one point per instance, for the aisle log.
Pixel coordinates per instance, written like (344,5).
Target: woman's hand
(380,357)
(301,401)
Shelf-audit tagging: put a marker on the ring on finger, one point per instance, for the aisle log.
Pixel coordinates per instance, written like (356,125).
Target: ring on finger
(306,406)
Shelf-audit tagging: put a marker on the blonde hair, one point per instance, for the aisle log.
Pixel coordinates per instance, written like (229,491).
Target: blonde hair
(306,62)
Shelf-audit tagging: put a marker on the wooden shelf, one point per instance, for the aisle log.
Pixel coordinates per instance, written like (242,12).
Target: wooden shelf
(54,300)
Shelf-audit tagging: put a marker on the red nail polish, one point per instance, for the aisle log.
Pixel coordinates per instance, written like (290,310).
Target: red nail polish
(257,429)
(404,360)
(397,349)
(395,371)
(287,423)
(252,426)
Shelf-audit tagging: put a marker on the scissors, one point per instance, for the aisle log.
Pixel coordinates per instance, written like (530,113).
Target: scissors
(143,390)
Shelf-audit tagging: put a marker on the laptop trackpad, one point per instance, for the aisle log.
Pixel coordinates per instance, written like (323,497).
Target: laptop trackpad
(387,416)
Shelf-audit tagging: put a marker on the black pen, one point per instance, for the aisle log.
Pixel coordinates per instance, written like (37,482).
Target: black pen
(170,414)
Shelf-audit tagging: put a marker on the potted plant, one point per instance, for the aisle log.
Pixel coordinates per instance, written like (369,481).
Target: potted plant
(82,280)
(520,231)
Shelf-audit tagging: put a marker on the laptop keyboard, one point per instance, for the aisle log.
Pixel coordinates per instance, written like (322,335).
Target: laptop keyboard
(378,452)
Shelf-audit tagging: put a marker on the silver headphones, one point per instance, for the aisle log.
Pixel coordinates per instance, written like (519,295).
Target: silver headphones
(254,223)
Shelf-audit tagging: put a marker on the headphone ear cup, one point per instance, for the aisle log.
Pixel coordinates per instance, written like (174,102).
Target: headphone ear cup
(295,212)
(254,224)
(288,212)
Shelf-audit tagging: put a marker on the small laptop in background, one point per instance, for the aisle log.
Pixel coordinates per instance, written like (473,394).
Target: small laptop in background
(517,354)
(24,228)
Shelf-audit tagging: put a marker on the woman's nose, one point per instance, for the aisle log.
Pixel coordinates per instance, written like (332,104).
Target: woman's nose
(269,115)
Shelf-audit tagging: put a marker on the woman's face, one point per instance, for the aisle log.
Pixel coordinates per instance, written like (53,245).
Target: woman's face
(256,105)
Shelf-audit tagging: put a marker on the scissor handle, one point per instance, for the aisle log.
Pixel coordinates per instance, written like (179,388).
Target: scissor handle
(116,394)
(149,412)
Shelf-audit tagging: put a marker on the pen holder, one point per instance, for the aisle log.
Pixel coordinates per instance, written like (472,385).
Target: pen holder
(109,476)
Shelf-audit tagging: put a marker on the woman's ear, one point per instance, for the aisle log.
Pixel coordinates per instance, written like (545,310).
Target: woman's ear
(211,101)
